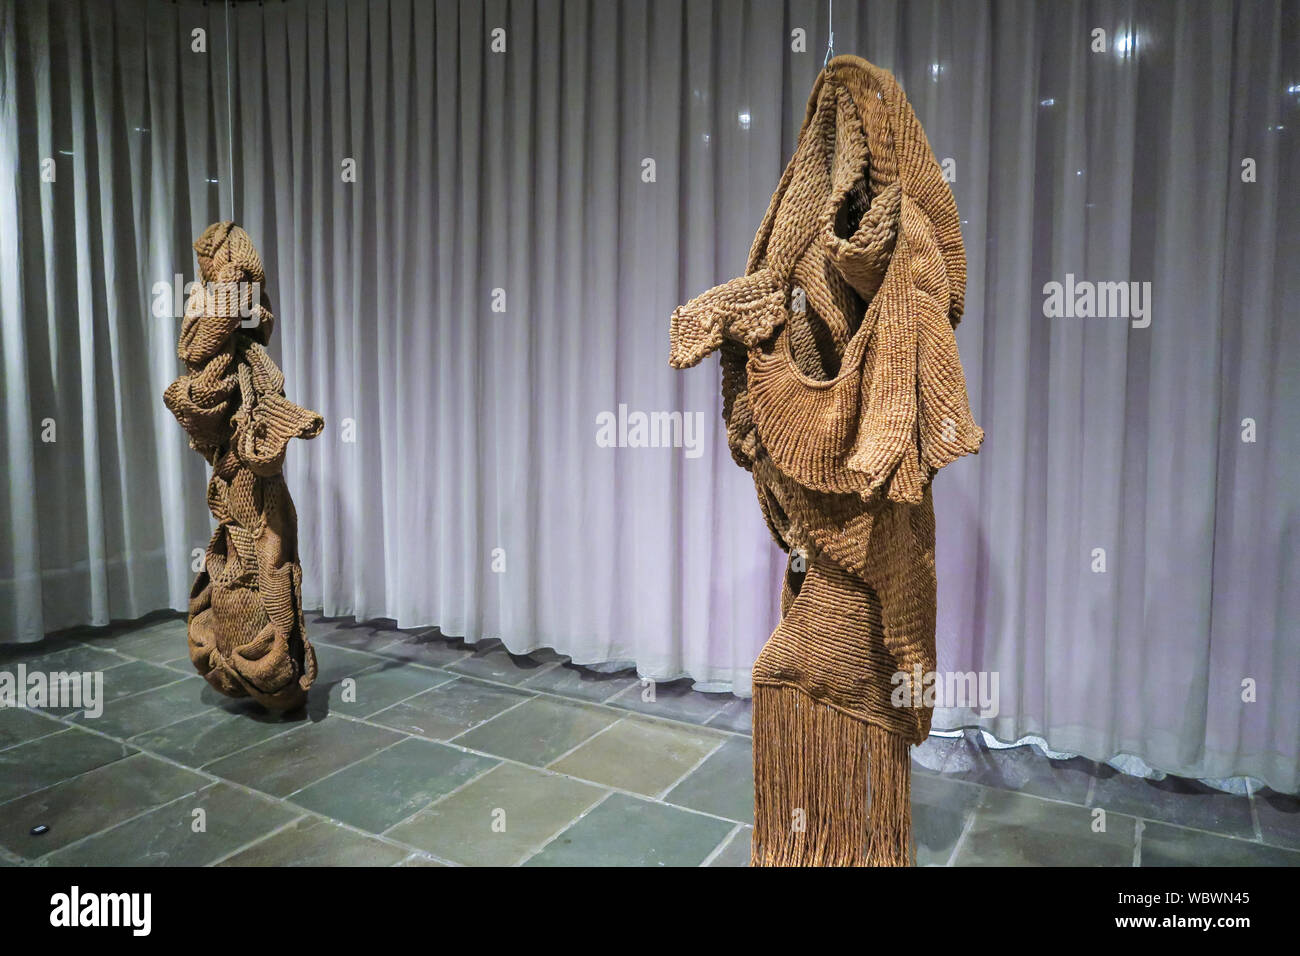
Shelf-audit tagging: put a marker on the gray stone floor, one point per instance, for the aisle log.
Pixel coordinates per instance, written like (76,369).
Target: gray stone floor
(417,750)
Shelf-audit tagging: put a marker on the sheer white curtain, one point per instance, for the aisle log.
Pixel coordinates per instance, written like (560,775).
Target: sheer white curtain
(529,206)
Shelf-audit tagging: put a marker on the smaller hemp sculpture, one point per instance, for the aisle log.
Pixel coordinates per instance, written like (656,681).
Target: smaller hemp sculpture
(843,394)
(246,631)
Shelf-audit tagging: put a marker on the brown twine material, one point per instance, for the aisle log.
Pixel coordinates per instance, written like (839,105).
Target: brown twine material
(834,792)
(843,410)
(247,635)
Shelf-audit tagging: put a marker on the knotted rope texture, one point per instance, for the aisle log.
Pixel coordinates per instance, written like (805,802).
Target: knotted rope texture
(247,636)
(843,394)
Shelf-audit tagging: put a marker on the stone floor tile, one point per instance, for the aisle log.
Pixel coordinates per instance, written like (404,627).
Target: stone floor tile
(315,842)
(175,835)
(500,818)
(723,785)
(296,759)
(92,802)
(44,761)
(1011,829)
(673,700)
(644,756)
(449,709)
(390,786)
(628,831)
(538,730)
(581,683)
(1175,800)
(1164,845)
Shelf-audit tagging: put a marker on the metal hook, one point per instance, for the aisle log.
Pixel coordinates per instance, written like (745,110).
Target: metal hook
(830,29)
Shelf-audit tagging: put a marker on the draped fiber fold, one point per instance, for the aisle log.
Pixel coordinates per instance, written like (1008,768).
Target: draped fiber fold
(843,394)
(247,636)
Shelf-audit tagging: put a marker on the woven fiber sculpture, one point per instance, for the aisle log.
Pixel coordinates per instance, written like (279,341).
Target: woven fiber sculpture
(843,394)
(246,631)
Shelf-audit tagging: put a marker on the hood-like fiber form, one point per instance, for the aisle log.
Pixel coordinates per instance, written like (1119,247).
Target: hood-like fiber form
(247,636)
(864,227)
(843,394)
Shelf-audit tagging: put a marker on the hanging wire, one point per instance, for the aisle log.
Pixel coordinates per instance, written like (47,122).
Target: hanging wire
(230,117)
(830,28)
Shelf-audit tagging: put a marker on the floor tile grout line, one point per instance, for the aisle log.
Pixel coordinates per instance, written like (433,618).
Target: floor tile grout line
(341,824)
(717,850)
(481,723)
(621,712)
(248,845)
(604,700)
(347,766)
(1257,839)
(546,769)
(68,722)
(646,681)
(181,678)
(546,668)
(541,848)
(1062,801)
(639,683)
(380,659)
(1255,823)
(125,660)
(171,723)
(31,740)
(543,692)
(379,652)
(288,729)
(710,722)
(1132,815)
(379,655)
(126,656)
(126,820)
(1218,833)
(408,697)
(62,780)
(647,714)
(961,837)
(662,794)
(398,703)
(213,778)
(437,800)
(1058,801)
(57,718)
(425,853)
(586,740)
(563,828)
(145,812)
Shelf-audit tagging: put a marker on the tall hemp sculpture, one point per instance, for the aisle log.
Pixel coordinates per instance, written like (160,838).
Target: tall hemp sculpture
(843,394)
(247,636)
